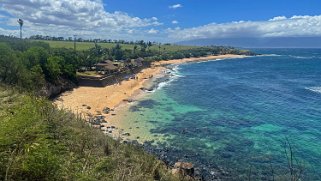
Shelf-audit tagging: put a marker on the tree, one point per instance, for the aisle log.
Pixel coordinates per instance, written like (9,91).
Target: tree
(35,56)
(52,67)
(135,48)
(149,44)
(8,64)
(35,79)
(117,52)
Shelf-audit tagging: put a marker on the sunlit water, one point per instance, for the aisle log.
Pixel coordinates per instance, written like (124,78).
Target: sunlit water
(237,113)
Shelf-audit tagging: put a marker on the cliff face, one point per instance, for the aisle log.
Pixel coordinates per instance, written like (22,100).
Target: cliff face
(51,90)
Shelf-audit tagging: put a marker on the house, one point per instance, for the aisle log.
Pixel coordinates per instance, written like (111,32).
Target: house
(119,64)
(107,66)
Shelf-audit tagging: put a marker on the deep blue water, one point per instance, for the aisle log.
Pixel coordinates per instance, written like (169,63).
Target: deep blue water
(236,114)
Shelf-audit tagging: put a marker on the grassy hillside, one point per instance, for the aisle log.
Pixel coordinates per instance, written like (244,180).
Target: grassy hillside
(39,142)
(88,45)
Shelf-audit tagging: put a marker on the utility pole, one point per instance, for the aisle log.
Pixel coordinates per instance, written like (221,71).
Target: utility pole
(20,21)
(75,37)
(159,48)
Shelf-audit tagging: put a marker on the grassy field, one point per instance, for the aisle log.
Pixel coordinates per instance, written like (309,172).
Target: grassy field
(88,45)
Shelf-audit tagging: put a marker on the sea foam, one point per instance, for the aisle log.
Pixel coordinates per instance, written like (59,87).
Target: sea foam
(171,74)
(268,55)
(314,89)
(302,57)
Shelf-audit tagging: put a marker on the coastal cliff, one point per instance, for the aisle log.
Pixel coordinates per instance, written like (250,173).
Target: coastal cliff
(51,90)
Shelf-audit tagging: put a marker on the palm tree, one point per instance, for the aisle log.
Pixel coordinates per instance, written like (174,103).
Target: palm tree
(20,21)
(135,48)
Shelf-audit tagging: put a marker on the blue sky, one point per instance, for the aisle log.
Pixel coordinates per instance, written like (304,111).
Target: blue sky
(200,12)
(163,20)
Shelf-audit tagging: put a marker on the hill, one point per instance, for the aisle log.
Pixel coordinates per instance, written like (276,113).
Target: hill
(282,42)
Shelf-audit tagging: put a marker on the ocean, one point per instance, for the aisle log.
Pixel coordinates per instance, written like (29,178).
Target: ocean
(238,118)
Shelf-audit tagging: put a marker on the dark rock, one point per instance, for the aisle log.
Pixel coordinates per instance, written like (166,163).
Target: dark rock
(100,117)
(128,100)
(184,169)
(106,110)
(126,134)
(226,155)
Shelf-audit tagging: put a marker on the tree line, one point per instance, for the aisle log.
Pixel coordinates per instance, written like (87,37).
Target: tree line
(97,40)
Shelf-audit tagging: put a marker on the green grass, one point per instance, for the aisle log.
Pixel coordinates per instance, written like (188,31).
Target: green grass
(88,45)
(40,142)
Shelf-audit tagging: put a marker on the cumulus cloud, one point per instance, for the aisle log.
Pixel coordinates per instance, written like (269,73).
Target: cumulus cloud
(278,18)
(296,26)
(175,6)
(152,31)
(67,17)
(174,22)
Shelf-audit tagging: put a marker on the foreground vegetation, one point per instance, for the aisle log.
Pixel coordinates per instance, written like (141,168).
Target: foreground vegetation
(40,142)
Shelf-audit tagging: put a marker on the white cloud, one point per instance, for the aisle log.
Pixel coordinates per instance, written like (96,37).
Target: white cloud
(278,18)
(275,27)
(175,6)
(68,17)
(174,22)
(152,31)
(130,31)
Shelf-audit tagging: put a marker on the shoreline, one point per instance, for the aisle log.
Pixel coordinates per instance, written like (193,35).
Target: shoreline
(198,59)
(91,102)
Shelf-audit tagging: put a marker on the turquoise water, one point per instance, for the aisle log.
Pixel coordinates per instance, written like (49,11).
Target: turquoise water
(236,114)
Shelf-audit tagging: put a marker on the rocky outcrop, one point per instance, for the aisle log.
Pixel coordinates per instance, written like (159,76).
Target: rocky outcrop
(51,90)
(184,169)
(106,110)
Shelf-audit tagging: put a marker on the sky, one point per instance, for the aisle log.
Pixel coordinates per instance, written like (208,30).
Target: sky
(162,20)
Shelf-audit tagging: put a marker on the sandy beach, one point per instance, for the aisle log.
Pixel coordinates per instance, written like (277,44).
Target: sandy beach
(90,101)
(198,59)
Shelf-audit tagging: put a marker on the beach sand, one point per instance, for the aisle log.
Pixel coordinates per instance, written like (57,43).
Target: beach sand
(199,59)
(90,101)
